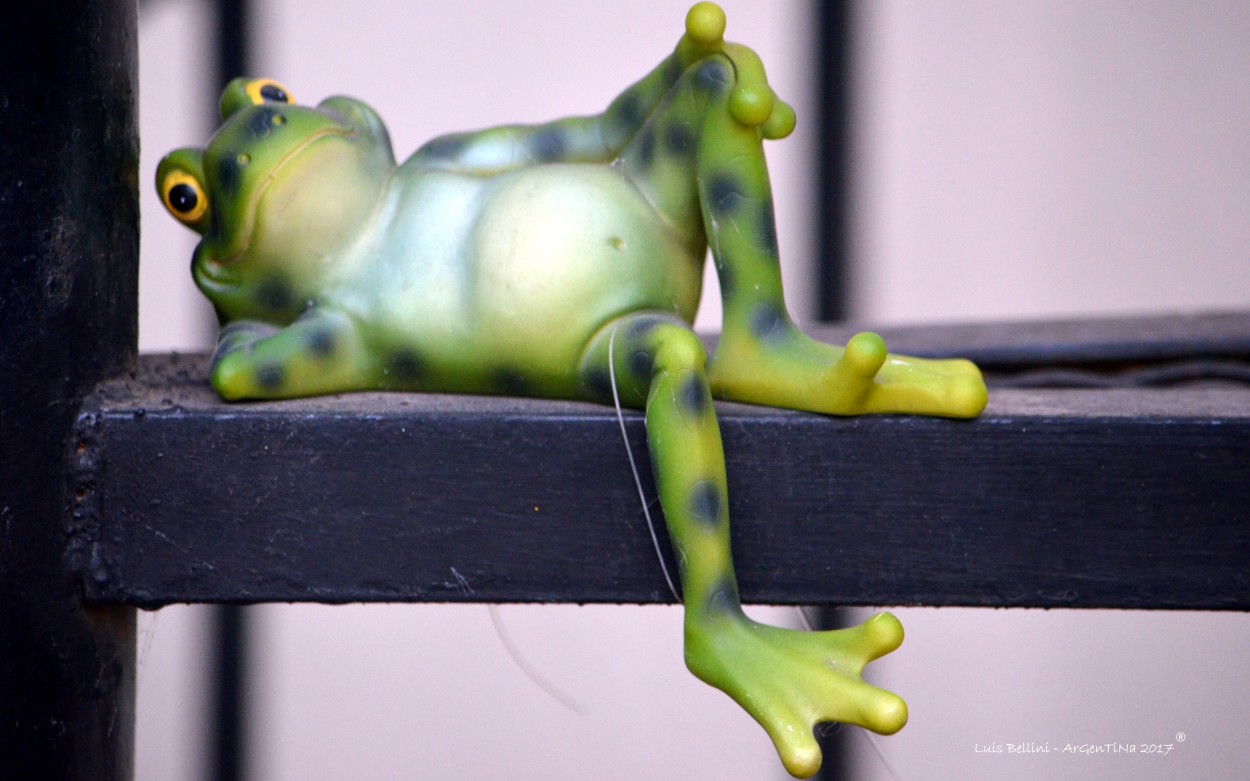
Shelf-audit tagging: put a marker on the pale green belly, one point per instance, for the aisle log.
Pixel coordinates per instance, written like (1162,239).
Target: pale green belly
(516,272)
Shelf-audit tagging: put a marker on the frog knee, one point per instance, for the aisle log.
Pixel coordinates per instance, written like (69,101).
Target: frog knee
(679,349)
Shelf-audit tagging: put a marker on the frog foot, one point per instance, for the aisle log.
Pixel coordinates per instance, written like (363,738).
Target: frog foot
(705,32)
(868,379)
(789,681)
(793,371)
(753,102)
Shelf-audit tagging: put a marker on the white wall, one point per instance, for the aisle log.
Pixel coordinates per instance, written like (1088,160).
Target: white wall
(1015,159)
(1051,157)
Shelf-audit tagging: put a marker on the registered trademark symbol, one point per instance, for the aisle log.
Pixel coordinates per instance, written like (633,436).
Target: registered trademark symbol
(1180,737)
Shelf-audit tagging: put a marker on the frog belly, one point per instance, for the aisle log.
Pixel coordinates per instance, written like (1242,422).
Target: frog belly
(516,272)
(561,249)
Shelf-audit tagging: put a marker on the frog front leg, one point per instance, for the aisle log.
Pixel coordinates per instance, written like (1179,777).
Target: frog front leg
(321,352)
(787,680)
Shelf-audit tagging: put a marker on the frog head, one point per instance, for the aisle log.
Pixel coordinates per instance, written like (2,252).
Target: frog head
(278,191)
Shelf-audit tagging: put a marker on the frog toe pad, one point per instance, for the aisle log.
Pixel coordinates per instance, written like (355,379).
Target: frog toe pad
(705,25)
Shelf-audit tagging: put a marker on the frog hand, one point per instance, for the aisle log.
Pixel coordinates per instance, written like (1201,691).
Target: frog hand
(786,368)
(789,681)
(318,353)
(867,379)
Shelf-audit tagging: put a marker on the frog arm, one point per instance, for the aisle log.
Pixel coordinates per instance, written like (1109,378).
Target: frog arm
(597,138)
(321,352)
(787,680)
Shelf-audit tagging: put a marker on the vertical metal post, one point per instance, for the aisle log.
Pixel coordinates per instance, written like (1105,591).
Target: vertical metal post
(833,62)
(834,19)
(68,317)
(228,744)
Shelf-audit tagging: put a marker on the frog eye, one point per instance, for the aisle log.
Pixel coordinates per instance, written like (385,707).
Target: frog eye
(263,91)
(184,197)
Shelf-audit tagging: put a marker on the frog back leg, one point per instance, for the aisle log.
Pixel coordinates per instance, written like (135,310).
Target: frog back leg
(787,680)
(699,160)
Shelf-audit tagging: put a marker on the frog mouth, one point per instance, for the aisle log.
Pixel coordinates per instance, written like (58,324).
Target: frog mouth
(242,238)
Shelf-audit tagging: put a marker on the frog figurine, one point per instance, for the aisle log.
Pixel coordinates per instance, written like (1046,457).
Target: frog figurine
(559,260)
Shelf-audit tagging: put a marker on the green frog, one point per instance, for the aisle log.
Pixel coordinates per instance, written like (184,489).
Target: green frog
(560,260)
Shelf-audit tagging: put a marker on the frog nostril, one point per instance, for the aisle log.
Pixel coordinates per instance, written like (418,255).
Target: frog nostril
(243,159)
(278,120)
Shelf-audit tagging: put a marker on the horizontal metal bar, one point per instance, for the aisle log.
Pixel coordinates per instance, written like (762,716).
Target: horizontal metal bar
(1133,498)
(1008,347)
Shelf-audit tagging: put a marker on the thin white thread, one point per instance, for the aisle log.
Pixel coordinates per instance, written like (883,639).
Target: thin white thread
(642,497)
(550,688)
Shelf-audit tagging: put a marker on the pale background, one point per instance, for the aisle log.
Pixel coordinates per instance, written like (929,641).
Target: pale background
(1015,159)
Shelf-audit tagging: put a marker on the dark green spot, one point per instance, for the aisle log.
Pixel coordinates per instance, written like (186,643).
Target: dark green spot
(768,229)
(678,138)
(404,367)
(228,174)
(275,295)
(321,343)
(628,110)
(444,148)
(705,503)
(598,384)
(646,147)
(642,326)
(711,77)
(692,395)
(270,377)
(640,363)
(548,145)
(260,122)
(723,599)
(724,193)
(769,322)
(511,382)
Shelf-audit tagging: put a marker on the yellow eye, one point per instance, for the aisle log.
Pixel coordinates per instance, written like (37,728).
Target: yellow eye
(267,91)
(184,197)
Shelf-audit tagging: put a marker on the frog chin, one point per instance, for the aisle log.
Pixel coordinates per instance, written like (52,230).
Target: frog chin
(318,207)
(237,243)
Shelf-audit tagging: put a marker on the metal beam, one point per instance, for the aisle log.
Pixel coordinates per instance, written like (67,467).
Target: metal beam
(1131,497)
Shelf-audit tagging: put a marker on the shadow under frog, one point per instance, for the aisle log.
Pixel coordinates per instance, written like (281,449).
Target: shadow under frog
(526,259)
